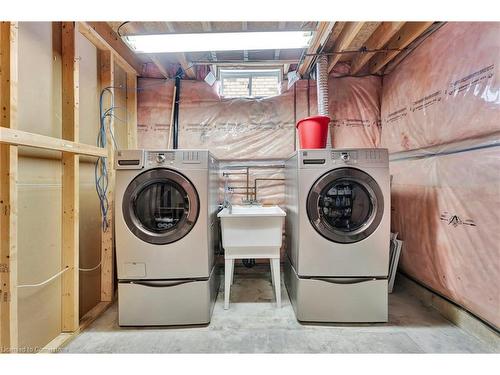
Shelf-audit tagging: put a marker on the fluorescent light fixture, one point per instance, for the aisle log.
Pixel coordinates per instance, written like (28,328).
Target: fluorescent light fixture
(159,43)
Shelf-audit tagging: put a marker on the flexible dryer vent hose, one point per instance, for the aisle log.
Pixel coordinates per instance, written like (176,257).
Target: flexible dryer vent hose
(322,84)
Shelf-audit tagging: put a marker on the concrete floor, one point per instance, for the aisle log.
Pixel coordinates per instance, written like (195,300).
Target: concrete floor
(254,325)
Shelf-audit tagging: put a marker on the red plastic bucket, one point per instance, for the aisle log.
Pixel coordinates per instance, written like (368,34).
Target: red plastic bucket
(313,131)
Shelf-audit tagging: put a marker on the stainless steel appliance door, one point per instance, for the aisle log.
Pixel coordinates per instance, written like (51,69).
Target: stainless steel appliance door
(345,205)
(160,206)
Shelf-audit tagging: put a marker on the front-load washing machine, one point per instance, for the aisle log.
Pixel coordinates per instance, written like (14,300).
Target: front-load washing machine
(166,214)
(337,229)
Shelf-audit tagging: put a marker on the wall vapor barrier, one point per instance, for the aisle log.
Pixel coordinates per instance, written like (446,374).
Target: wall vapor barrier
(447,214)
(354,106)
(258,128)
(440,111)
(446,90)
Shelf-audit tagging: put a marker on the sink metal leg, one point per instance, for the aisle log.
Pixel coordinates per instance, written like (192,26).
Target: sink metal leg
(228,272)
(232,273)
(275,271)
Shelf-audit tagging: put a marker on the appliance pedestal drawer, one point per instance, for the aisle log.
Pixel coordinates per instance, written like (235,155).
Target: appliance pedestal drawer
(337,300)
(167,302)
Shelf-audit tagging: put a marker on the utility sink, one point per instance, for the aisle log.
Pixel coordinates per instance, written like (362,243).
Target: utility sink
(253,231)
(252,210)
(250,232)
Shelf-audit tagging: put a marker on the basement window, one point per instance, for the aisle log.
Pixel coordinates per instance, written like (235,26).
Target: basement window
(246,83)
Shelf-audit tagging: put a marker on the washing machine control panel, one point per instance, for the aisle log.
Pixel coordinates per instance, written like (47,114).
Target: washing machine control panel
(339,157)
(347,156)
(159,158)
(190,159)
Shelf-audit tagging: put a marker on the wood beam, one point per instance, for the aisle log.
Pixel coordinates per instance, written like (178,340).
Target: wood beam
(286,67)
(181,57)
(344,40)
(207,27)
(159,66)
(321,35)
(107,281)
(70,180)
(407,34)
(377,40)
(186,66)
(9,333)
(244,27)
(131,111)
(281,27)
(104,38)
(21,138)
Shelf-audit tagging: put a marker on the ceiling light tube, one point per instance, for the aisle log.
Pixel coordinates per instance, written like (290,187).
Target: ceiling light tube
(165,43)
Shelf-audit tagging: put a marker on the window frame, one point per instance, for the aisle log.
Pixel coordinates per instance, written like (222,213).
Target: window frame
(249,73)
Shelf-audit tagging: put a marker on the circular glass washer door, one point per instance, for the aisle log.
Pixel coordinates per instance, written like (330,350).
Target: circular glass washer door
(160,206)
(345,205)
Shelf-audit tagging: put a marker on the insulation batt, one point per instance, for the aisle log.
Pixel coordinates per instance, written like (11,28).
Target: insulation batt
(446,90)
(229,128)
(447,207)
(354,105)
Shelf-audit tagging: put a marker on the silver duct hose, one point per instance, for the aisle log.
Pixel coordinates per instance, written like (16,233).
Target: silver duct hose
(322,84)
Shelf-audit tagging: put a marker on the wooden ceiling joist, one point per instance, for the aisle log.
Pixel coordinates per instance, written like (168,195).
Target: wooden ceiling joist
(100,33)
(344,40)
(377,40)
(281,27)
(207,28)
(244,27)
(159,66)
(189,70)
(407,34)
(320,37)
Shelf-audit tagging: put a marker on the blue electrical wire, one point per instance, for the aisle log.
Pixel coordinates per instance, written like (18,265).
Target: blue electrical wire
(100,167)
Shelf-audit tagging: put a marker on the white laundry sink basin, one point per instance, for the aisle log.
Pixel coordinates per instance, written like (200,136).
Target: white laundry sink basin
(252,210)
(253,231)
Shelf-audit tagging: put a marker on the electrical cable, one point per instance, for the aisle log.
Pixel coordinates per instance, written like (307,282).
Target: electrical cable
(105,125)
(100,169)
(90,269)
(163,81)
(119,27)
(44,282)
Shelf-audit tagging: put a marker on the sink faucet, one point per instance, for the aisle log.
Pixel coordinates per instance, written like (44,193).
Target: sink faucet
(227,200)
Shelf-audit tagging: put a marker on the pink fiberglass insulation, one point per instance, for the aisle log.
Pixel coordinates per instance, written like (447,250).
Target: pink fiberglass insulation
(154,106)
(446,94)
(355,111)
(237,128)
(447,89)
(230,128)
(446,210)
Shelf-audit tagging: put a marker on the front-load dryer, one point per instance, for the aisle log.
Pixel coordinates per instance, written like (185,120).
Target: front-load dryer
(338,226)
(165,206)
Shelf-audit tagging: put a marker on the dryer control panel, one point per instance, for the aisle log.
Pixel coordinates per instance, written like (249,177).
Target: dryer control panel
(185,159)
(139,159)
(372,157)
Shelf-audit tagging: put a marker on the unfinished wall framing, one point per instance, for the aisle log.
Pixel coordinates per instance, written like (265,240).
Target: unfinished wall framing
(46,180)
